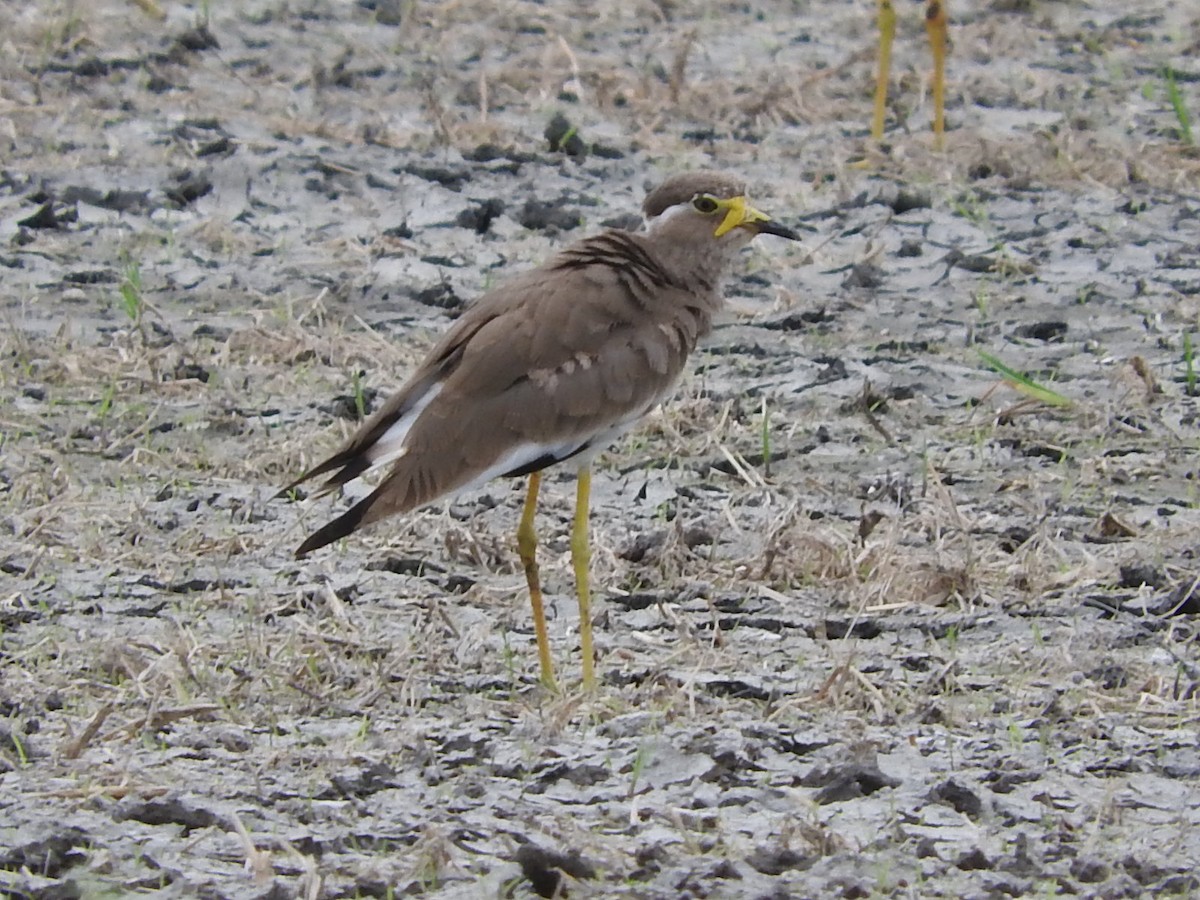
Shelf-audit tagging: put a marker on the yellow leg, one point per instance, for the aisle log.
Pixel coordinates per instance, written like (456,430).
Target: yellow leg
(527,548)
(581,559)
(935,26)
(887,32)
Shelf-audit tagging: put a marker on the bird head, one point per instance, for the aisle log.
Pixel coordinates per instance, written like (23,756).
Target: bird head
(708,209)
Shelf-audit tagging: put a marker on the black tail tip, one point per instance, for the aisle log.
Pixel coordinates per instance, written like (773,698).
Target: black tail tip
(314,541)
(337,529)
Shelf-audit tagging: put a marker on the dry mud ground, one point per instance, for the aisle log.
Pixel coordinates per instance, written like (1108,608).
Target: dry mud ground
(873,621)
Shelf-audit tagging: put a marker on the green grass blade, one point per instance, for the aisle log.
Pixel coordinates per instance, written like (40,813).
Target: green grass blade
(1024,383)
(1189,364)
(1175,97)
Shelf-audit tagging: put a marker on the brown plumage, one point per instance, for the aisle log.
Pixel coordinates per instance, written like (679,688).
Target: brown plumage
(554,364)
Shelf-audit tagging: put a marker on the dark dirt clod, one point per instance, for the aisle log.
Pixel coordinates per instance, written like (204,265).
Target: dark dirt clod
(973,861)
(441,295)
(835,629)
(46,850)
(169,811)
(539,215)
(1042,331)
(544,869)
(908,199)
(47,217)
(454,179)
(347,406)
(401,231)
(564,138)
(777,860)
(187,187)
(197,39)
(479,217)
(958,798)
(115,199)
(847,782)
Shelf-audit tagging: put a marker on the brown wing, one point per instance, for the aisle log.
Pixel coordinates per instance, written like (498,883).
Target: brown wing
(527,377)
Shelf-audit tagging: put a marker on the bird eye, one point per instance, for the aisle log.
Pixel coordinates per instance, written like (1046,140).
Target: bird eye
(705,204)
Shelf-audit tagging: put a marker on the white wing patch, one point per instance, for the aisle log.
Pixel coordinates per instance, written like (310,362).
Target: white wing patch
(581,451)
(390,446)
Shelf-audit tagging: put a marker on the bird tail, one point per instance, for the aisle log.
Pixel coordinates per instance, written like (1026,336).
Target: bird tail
(355,517)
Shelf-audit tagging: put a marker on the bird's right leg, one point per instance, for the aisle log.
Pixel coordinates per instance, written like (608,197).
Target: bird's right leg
(527,548)
(581,559)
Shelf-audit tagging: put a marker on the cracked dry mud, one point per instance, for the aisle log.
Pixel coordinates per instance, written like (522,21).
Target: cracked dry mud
(873,620)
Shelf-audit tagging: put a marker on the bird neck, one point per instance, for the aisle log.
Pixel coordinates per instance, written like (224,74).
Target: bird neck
(699,270)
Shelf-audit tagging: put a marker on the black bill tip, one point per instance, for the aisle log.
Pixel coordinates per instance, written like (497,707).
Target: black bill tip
(772,227)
